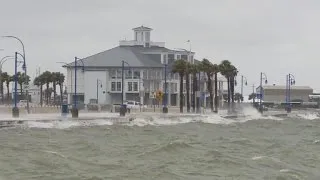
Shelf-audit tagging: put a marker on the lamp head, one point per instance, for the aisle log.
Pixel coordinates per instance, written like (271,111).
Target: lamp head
(293,82)
(24,66)
(266,81)
(246,83)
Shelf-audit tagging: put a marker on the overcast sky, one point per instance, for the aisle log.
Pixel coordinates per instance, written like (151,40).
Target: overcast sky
(272,36)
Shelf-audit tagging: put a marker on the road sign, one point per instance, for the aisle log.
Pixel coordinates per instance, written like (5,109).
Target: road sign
(259,96)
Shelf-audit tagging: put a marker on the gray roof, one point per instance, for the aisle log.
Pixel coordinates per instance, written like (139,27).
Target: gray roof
(136,56)
(142,28)
(284,87)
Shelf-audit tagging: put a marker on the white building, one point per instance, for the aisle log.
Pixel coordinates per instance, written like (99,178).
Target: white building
(277,94)
(101,74)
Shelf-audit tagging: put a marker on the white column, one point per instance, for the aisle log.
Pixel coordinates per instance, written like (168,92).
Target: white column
(141,87)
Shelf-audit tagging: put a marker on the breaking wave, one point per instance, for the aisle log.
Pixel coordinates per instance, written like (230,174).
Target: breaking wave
(152,119)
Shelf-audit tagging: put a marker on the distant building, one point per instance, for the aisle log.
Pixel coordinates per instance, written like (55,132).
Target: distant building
(144,74)
(277,94)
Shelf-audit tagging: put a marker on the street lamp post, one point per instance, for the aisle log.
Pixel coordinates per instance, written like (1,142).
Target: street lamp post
(245,83)
(165,108)
(24,67)
(289,82)
(15,109)
(123,109)
(75,110)
(263,76)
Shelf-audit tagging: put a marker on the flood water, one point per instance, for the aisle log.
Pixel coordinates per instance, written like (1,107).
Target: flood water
(187,148)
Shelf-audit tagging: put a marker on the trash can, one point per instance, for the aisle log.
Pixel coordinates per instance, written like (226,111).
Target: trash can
(64,110)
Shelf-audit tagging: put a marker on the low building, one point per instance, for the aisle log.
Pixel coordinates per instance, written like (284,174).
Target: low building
(277,94)
(101,75)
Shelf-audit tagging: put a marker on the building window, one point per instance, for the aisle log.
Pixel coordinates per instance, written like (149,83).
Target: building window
(145,74)
(129,86)
(178,56)
(129,74)
(135,86)
(118,86)
(113,86)
(113,74)
(136,75)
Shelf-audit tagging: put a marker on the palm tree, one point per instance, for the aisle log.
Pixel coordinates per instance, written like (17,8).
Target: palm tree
(54,85)
(47,78)
(194,70)
(179,66)
(5,77)
(8,79)
(225,67)
(22,79)
(187,74)
(233,74)
(1,85)
(38,81)
(215,70)
(60,80)
(207,67)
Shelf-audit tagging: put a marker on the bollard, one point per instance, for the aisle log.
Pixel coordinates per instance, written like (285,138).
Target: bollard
(165,109)
(75,112)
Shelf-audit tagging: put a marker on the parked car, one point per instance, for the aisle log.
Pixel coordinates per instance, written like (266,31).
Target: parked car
(134,105)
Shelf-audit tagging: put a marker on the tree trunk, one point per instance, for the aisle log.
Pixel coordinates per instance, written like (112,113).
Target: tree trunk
(181,93)
(216,103)
(54,92)
(210,92)
(1,89)
(21,92)
(194,92)
(61,94)
(188,91)
(47,94)
(41,93)
(232,92)
(228,81)
(8,93)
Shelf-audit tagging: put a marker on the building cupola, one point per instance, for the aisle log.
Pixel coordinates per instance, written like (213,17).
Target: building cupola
(142,35)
